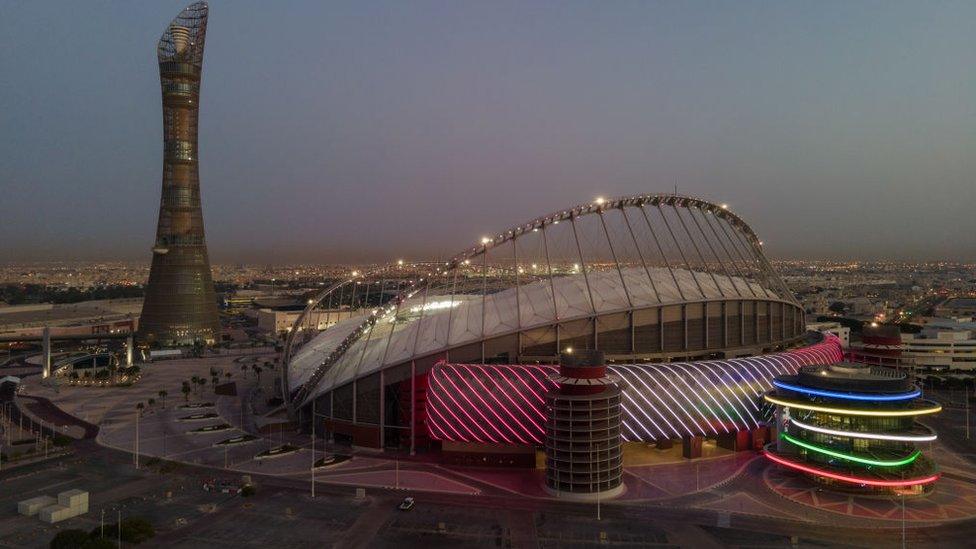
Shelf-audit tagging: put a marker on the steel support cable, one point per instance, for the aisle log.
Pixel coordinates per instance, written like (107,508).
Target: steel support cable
(701,256)
(613,254)
(768,270)
(579,250)
(728,274)
(737,244)
(664,256)
(681,252)
(518,296)
(741,274)
(552,284)
(640,254)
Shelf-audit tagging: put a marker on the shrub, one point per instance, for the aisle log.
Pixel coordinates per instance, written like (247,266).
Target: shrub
(248,490)
(137,530)
(134,530)
(61,440)
(99,543)
(69,539)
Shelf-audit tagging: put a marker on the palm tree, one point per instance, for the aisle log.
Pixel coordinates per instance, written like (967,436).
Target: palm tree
(151,402)
(140,407)
(186,391)
(257,372)
(162,397)
(244,370)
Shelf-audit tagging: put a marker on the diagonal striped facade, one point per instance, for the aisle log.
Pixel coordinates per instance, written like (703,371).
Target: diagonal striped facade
(505,404)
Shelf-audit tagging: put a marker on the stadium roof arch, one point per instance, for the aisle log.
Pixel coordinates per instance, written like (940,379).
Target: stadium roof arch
(645,277)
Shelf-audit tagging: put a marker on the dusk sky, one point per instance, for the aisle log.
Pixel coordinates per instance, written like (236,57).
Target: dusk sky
(350,131)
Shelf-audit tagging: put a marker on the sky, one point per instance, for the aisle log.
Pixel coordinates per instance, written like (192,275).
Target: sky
(336,132)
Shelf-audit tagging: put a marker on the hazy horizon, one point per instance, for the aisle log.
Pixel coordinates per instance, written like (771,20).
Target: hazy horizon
(348,132)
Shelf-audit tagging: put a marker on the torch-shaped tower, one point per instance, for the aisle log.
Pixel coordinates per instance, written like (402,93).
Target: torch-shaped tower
(180,307)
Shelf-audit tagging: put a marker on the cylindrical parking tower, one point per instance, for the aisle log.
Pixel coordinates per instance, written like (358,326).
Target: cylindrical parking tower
(852,427)
(583,458)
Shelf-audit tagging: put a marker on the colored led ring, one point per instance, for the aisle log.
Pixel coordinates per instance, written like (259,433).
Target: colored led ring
(849,396)
(853,480)
(844,411)
(849,457)
(858,434)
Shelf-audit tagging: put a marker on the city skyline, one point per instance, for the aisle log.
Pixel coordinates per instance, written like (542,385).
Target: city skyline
(348,133)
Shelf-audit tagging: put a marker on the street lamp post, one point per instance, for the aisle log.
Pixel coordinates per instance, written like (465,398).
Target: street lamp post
(136,453)
(313,448)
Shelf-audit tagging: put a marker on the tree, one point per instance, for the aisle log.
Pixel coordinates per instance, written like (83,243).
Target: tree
(99,543)
(162,397)
(244,370)
(186,391)
(151,402)
(137,530)
(836,307)
(69,539)
(257,372)
(140,407)
(134,530)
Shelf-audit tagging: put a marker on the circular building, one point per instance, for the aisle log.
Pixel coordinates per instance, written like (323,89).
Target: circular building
(675,292)
(852,427)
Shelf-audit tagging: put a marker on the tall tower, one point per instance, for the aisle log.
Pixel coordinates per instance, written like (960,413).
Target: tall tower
(180,306)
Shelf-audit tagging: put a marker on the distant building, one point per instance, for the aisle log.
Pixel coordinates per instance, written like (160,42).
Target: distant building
(843,333)
(944,344)
(957,307)
(277,321)
(107,316)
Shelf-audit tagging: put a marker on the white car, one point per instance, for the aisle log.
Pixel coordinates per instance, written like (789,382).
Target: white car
(406,504)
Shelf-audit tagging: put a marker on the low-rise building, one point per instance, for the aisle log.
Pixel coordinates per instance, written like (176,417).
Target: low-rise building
(842,332)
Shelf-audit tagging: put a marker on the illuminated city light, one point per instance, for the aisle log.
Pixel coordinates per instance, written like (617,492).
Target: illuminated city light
(849,457)
(852,479)
(858,434)
(848,396)
(876,413)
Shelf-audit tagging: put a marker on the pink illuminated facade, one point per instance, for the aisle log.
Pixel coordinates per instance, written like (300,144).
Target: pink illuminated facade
(505,404)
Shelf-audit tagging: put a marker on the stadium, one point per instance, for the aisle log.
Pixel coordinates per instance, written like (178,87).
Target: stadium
(457,356)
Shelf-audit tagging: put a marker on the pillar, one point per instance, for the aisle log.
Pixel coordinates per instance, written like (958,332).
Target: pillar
(46,354)
(691,446)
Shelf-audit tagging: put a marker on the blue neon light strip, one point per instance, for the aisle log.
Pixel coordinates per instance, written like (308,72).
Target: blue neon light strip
(847,396)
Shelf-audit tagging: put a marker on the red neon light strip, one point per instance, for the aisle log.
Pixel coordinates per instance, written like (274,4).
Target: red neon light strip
(850,479)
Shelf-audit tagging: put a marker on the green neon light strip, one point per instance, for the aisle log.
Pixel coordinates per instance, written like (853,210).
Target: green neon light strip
(849,457)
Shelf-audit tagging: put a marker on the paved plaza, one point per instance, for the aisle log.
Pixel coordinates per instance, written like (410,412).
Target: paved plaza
(728,498)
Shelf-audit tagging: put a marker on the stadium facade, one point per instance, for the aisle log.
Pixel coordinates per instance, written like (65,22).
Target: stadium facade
(180,306)
(674,291)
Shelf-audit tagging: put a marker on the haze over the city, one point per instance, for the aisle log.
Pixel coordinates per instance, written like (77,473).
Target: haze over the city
(342,132)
